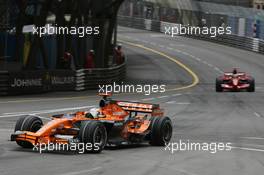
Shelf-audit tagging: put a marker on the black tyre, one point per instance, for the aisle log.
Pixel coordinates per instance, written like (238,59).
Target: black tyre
(218,85)
(251,85)
(161,131)
(28,123)
(152,121)
(93,133)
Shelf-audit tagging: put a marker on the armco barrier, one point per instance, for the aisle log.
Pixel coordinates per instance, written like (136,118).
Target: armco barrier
(246,43)
(27,82)
(261,47)
(62,80)
(231,40)
(92,78)
(4,82)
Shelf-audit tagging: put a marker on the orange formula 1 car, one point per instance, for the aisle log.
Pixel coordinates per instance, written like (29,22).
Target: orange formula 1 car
(113,123)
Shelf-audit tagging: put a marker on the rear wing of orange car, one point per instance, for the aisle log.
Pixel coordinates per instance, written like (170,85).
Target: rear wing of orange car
(154,109)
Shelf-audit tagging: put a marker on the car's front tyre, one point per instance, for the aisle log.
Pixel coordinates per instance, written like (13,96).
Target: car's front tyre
(93,133)
(251,85)
(218,85)
(28,123)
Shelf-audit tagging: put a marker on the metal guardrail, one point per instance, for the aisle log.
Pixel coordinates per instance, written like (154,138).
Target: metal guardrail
(27,82)
(4,78)
(246,43)
(38,81)
(250,44)
(92,78)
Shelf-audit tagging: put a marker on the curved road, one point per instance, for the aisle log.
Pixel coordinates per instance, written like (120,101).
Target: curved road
(199,114)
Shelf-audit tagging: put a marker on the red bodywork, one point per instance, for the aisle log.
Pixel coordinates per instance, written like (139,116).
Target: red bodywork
(235,82)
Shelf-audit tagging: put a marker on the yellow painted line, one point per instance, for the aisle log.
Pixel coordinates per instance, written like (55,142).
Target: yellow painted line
(195,78)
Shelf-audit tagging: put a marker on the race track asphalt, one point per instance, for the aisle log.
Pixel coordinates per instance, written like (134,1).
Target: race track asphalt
(198,113)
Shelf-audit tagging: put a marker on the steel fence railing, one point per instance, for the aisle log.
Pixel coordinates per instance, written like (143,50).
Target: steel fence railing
(27,82)
(92,78)
(241,19)
(4,82)
(246,43)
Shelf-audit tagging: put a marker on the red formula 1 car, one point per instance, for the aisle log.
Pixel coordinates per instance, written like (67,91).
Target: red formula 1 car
(114,122)
(235,81)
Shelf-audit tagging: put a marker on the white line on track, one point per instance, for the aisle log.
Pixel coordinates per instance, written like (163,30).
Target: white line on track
(82,171)
(198,59)
(217,69)
(42,99)
(192,56)
(157,35)
(248,149)
(204,62)
(182,52)
(160,97)
(210,65)
(183,103)
(175,95)
(177,45)
(148,99)
(165,96)
(15,114)
(178,103)
(171,102)
(253,138)
(185,53)
(257,114)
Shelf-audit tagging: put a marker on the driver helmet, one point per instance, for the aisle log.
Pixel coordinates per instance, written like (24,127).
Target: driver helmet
(94,112)
(119,46)
(234,71)
(91,51)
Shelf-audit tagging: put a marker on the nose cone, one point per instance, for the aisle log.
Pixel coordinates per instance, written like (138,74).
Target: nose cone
(235,81)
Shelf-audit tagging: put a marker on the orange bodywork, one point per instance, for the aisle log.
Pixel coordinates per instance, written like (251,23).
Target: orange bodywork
(114,112)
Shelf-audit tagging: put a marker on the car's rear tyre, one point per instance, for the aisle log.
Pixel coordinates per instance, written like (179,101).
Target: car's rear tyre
(161,131)
(27,123)
(93,133)
(251,85)
(218,85)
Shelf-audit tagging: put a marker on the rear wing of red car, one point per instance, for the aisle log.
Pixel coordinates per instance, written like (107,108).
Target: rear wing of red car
(139,107)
